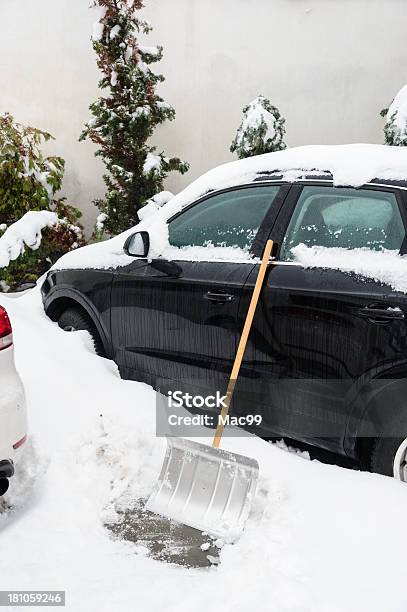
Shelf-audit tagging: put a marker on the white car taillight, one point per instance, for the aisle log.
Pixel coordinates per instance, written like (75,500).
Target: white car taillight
(6,337)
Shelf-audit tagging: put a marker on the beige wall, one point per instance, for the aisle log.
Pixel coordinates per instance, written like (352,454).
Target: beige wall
(330,66)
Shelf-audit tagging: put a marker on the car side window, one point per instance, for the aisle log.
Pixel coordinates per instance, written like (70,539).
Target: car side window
(229,219)
(346,218)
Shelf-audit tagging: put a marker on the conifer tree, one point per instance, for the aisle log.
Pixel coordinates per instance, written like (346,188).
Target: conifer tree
(395,129)
(126,113)
(261,131)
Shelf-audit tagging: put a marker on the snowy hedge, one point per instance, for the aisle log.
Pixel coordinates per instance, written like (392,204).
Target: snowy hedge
(25,233)
(29,182)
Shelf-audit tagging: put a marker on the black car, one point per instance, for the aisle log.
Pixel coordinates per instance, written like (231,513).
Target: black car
(326,362)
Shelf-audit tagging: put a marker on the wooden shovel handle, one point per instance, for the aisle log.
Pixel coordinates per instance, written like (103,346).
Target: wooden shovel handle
(243,341)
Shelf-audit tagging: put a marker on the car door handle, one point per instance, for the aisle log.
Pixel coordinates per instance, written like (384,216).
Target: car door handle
(381,314)
(219,298)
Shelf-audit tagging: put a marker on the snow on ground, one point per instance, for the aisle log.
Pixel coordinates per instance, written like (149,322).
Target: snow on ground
(320,538)
(385,266)
(350,165)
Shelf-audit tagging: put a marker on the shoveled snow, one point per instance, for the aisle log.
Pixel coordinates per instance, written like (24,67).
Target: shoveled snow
(26,232)
(387,267)
(320,538)
(351,165)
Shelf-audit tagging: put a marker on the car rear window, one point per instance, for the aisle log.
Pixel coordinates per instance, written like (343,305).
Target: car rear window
(346,218)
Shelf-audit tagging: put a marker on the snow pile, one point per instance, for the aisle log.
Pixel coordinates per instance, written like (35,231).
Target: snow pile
(350,165)
(154,203)
(26,232)
(318,537)
(291,449)
(396,119)
(387,267)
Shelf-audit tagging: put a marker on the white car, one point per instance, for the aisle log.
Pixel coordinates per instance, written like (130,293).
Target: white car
(13,413)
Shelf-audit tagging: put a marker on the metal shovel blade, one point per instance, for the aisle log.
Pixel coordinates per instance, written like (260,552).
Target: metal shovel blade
(206,488)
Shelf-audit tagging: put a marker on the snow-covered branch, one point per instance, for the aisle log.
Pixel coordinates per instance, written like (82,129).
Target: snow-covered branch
(395,129)
(26,232)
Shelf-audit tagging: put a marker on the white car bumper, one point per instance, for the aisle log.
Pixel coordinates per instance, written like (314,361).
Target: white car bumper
(13,413)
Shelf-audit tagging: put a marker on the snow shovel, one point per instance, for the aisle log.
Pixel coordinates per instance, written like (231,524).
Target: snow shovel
(205,487)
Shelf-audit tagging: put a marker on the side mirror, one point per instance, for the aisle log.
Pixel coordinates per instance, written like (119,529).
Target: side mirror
(137,245)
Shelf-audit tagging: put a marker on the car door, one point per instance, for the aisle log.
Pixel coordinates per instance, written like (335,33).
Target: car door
(176,318)
(323,333)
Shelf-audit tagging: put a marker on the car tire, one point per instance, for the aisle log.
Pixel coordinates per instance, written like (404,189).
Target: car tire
(389,457)
(75,319)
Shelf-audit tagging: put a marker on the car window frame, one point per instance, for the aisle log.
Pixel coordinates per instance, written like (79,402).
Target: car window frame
(269,218)
(282,222)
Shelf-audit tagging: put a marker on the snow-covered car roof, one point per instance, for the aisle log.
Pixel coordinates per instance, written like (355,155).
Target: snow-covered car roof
(351,165)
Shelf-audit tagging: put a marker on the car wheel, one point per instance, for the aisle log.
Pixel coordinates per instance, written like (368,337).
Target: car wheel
(74,319)
(389,457)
